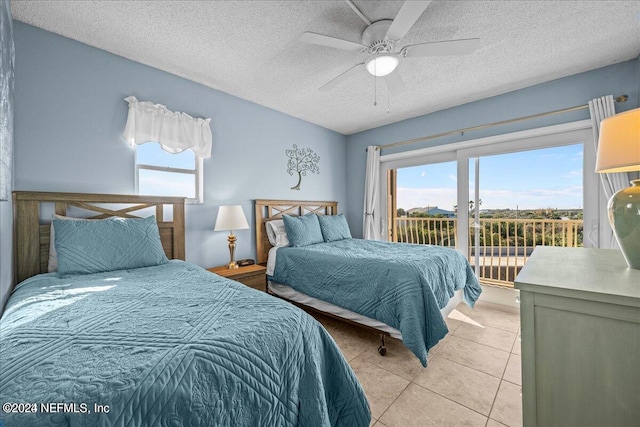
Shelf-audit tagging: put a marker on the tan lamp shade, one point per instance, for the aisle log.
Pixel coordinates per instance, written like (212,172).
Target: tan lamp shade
(619,144)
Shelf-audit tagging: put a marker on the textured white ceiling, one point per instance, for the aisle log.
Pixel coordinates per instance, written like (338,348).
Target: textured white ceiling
(251,49)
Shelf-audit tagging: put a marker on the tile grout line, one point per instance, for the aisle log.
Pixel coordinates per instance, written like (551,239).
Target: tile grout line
(394,401)
(388,371)
(500,385)
(494,327)
(502,379)
(451,400)
(460,322)
(487,345)
(470,367)
(356,356)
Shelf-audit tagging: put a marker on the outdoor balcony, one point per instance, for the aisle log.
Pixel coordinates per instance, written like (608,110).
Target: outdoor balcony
(504,244)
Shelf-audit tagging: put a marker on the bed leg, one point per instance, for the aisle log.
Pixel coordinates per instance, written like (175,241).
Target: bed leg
(382,349)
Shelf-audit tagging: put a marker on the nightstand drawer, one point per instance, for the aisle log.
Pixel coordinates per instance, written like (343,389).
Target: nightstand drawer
(256,282)
(253,276)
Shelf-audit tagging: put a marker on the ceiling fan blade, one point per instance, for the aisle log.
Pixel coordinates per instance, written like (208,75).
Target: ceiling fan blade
(450,47)
(395,83)
(406,17)
(331,42)
(342,77)
(357,11)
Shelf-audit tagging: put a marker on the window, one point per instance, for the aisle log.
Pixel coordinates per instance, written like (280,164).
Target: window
(522,189)
(170,147)
(159,173)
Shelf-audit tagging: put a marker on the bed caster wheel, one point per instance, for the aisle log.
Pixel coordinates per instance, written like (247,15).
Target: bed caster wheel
(382,350)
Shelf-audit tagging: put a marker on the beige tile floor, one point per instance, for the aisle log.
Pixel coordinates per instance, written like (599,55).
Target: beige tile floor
(473,376)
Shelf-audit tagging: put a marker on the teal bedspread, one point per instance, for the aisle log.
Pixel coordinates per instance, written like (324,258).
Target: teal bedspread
(171,345)
(402,285)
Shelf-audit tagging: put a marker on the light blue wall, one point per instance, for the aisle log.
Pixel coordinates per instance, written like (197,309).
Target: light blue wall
(570,91)
(6,211)
(6,251)
(69,117)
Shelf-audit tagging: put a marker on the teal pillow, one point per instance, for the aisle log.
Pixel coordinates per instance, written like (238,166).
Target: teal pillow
(85,247)
(334,227)
(302,230)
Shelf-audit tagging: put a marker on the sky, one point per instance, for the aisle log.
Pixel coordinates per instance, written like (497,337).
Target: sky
(537,179)
(158,183)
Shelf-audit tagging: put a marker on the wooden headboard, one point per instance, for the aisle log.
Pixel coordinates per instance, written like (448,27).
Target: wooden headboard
(31,240)
(268,210)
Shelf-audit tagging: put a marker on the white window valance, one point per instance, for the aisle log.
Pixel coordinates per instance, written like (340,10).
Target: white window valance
(174,131)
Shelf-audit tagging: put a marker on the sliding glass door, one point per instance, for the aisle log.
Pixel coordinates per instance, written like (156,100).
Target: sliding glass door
(495,202)
(521,200)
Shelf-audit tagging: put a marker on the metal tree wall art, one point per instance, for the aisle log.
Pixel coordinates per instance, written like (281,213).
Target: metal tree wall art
(302,160)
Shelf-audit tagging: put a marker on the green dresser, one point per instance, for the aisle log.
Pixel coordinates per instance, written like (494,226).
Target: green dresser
(580,320)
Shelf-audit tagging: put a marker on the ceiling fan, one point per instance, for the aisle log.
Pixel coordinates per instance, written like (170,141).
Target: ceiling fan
(381,39)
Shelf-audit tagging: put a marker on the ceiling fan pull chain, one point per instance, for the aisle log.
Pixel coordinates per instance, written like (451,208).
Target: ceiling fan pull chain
(388,99)
(375,88)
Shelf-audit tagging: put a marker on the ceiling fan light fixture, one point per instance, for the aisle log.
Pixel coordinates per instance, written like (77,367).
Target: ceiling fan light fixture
(382,65)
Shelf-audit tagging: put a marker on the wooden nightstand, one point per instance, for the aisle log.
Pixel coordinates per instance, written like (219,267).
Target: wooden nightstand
(253,276)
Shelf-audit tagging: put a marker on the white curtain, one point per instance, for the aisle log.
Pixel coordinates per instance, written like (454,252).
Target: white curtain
(371,228)
(175,132)
(600,109)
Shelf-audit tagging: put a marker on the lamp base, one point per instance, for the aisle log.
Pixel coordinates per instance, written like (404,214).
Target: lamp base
(232,249)
(624,216)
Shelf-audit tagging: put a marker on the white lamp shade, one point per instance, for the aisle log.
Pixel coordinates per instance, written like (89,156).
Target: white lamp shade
(231,218)
(382,65)
(619,143)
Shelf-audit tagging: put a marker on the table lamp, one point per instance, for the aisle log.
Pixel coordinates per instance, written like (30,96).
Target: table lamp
(231,218)
(619,151)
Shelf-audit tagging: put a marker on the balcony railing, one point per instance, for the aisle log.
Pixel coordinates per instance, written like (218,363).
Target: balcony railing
(504,244)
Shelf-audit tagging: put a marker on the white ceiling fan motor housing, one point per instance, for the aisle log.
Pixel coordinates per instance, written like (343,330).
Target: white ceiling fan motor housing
(382,60)
(376,33)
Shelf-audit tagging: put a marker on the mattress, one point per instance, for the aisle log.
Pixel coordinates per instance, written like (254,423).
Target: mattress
(400,285)
(293,295)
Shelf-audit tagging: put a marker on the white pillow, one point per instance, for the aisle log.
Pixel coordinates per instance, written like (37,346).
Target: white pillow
(53,254)
(277,234)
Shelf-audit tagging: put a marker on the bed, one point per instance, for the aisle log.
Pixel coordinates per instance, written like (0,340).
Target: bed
(168,344)
(400,290)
